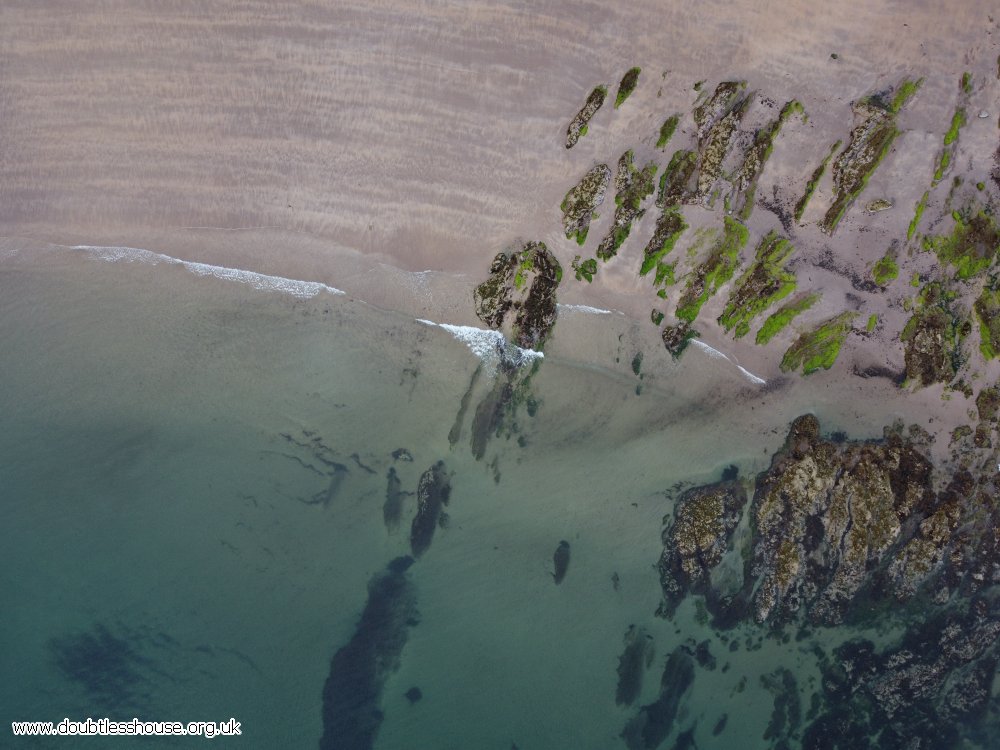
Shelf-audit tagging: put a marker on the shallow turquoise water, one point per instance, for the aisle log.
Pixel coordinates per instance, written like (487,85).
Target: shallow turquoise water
(178,547)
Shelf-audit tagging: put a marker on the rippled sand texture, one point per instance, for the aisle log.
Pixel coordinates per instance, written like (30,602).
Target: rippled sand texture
(428,132)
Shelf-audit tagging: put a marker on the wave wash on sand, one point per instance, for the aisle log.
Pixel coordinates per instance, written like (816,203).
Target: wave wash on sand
(259,281)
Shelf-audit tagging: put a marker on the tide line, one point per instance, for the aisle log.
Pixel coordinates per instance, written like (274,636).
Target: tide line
(716,354)
(260,281)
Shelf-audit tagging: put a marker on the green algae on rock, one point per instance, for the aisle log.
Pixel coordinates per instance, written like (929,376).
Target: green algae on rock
(765,282)
(715,146)
(585,270)
(577,126)
(818,348)
(885,268)
(972,245)
(817,175)
(669,227)
(987,308)
(869,143)
(582,200)
(784,315)
(958,121)
(720,103)
(675,182)
(745,182)
(523,281)
(933,338)
(718,268)
(677,337)
(918,211)
(632,187)
(627,86)
(667,130)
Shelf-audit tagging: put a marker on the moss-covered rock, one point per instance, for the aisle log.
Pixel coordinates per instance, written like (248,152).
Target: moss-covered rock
(870,141)
(765,282)
(523,282)
(972,245)
(715,146)
(987,309)
(667,130)
(578,124)
(818,348)
(677,337)
(676,180)
(722,101)
(817,175)
(745,182)
(717,269)
(885,268)
(582,200)
(669,227)
(627,85)
(780,318)
(933,338)
(632,187)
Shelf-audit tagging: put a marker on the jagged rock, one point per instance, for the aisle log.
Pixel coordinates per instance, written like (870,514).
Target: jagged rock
(870,140)
(694,543)
(933,338)
(677,337)
(582,200)
(525,282)
(632,187)
(578,125)
(877,205)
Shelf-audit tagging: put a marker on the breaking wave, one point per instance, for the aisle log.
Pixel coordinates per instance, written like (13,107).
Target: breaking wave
(586,309)
(716,354)
(259,281)
(490,346)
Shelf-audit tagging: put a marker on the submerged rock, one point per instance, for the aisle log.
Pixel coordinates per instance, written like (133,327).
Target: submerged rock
(433,494)
(352,694)
(654,722)
(392,508)
(698,536)
(560,560)
(632,665)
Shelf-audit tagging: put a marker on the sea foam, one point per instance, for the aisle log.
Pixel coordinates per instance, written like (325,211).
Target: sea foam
(716,354)
(585,309)
(490,346)
(259,281)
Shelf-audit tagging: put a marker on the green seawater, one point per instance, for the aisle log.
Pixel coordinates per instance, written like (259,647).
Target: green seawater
(180,544)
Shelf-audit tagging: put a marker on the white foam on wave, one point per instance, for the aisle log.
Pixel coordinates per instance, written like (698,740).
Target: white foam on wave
(716,354)
(490,346)
(585,309)
(259,281)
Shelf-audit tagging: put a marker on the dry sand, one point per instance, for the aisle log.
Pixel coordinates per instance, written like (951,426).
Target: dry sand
(356,144)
